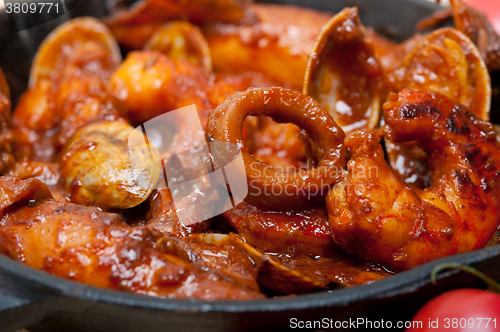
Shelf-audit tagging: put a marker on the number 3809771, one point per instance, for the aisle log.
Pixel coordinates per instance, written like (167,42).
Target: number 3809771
(31,7)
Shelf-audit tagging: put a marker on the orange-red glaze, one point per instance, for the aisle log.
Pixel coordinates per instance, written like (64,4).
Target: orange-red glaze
(6,136)
(293,233)
(84,244)
(378,217)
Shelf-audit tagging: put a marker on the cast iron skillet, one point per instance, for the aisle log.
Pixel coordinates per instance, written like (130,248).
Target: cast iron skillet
(38,301)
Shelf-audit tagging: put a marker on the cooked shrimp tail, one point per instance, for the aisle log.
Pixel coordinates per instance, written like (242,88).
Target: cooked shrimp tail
(376,215)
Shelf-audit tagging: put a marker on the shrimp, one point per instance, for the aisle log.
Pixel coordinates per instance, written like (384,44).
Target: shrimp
(301,241)
(374,214)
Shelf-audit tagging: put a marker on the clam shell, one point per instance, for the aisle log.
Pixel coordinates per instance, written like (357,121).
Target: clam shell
(343,74)
(69,36)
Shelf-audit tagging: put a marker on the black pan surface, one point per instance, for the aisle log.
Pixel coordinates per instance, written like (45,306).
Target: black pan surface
(38,301)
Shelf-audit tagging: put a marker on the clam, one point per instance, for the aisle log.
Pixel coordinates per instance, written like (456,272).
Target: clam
(271,273)
(474,24)
(5,104)
(276,276)
(343,74)
(445,61)
(63,41)
(290,275)
(100,164)
(4,86)
(448,62)
(196,11)
(181,40)
(495,239)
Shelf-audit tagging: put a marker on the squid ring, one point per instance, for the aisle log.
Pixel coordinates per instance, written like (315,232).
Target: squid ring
(272,190)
